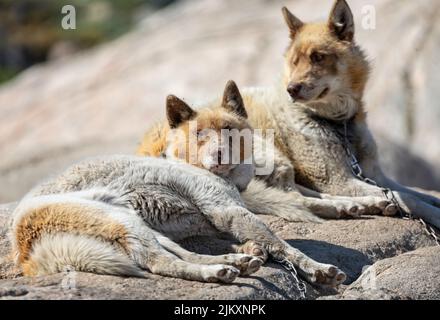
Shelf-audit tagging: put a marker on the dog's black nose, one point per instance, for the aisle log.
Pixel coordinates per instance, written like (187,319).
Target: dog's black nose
(294,89)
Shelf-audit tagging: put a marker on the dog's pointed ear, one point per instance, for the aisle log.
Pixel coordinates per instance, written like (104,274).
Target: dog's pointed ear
(232,100)
(178,111)
(292,22)
(341,22)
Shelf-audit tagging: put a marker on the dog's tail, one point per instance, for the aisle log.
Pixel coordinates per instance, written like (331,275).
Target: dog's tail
(64,252)
(52,234)
(261,199)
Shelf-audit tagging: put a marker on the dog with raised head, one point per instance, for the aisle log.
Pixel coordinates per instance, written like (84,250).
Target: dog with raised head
(325,76)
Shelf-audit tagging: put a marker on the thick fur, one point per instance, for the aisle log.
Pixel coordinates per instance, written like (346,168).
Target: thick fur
(261,199)
(278,194)
(121,215)
(54,253)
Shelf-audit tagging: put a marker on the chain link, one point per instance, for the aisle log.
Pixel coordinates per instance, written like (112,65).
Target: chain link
(388,193)
(430,231)
(300,285)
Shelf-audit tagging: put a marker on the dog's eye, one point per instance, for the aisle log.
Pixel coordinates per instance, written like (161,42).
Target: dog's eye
(317,57)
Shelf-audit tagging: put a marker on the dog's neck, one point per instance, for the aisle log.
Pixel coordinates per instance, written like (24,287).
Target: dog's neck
(338,107)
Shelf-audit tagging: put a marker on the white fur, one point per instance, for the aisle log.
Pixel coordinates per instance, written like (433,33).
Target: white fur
(55,252)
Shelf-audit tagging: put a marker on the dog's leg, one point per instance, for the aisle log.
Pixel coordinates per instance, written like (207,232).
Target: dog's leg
(246,263)
(294,206)
(327,207)
(418,208)
(370,205)
(148,253)
(164,263)
(245,227)
(138,241)
(408,203)
(388,183)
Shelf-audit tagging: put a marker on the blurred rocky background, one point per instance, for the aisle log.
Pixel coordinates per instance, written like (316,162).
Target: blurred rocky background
(95,89)
(30,30)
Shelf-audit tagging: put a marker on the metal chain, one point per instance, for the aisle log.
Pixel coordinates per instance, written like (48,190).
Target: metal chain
(300,285)
(430,231)
(388,193)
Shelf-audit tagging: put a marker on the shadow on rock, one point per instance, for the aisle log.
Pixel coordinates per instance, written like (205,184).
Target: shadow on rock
(351,261)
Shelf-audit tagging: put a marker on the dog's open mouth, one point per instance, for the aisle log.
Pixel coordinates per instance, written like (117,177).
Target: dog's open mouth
(324,93)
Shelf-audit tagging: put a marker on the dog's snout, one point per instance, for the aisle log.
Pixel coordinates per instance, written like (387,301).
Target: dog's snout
(294,89)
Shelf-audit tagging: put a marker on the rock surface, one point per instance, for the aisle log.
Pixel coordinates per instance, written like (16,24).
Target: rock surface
(352,245)
(102,100)
(401,277)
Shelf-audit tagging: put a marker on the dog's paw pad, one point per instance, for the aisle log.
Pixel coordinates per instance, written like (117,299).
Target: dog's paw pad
(390,210)
(254,249)
(329,276)
(247,264)
(350,210)
(227,274)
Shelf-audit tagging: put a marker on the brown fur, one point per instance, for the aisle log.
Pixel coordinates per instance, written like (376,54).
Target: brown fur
(69,218)
(29,268)
(213,117)
(154,142)
(342,66)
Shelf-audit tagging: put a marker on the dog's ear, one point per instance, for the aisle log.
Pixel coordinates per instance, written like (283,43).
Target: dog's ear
(341,22)
(292,22)
(178,111)
(232,100)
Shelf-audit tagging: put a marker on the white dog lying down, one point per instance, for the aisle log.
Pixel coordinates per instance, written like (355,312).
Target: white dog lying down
(121,215)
